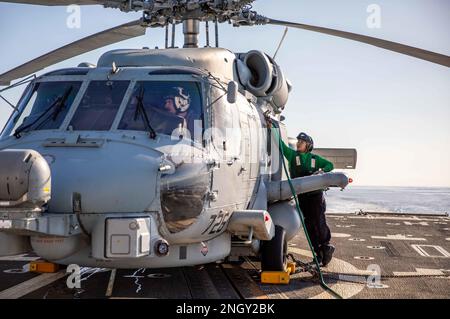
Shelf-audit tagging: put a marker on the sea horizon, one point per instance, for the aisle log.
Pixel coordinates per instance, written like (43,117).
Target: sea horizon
(389,199)
(397,186)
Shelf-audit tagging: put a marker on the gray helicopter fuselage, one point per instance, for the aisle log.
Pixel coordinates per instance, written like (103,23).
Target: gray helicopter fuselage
(185,188)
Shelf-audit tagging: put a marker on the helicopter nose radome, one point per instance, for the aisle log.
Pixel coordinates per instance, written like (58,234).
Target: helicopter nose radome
(114,180)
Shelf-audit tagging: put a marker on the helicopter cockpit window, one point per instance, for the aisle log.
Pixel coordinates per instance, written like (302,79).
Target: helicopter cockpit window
(165,106)
(99,106)
(47,106)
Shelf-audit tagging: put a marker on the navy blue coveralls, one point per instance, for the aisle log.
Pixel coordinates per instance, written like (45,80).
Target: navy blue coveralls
(312,204)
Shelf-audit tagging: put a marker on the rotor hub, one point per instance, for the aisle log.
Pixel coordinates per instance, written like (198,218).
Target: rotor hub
(159,13)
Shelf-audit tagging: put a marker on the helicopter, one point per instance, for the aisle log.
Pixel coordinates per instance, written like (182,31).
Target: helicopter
(157,158)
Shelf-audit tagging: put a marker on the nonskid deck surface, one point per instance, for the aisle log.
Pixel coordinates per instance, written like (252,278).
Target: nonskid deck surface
(377,256)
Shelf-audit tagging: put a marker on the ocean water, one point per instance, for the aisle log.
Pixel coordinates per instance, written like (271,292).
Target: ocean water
(408,200)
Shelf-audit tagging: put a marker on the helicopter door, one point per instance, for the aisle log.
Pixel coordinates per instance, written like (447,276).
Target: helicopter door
(226,148)
(250,147)
(254,131)
(245,170)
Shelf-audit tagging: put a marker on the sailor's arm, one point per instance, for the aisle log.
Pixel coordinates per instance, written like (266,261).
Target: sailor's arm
(287,151)
(324,164)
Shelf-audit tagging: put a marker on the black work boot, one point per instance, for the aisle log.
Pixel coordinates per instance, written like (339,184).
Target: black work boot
(327,253)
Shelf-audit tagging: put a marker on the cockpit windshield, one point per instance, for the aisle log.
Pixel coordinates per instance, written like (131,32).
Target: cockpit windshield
(99,105)
(158,107)
(47,106)
(164,106)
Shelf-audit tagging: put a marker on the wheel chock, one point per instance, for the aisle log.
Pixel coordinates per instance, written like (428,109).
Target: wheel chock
(43,267)
(278,277)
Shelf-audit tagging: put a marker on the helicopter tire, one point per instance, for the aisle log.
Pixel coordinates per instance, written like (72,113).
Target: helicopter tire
(274,251)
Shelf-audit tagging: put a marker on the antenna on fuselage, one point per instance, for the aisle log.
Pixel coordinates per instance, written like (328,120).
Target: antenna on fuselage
(173,35)
(216,27)
(281,42)
(166,42)
(207,32)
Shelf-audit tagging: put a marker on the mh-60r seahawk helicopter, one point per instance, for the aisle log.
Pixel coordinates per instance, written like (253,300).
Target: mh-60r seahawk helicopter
(155,158)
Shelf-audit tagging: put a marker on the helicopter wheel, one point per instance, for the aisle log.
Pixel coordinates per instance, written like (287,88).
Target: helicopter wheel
(274,251)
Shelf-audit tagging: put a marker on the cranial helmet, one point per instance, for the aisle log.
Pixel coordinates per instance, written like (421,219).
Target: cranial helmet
(308,139)
(181,100)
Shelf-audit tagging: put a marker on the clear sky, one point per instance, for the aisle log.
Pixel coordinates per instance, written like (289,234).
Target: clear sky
(394,109)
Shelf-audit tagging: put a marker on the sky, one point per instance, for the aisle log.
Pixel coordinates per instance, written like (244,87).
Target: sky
(392,108)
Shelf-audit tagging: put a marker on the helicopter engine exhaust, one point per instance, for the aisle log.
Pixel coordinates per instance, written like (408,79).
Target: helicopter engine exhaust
(262,76)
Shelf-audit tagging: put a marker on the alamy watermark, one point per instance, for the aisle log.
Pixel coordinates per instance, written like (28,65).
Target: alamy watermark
(371,277)
(73,20)
(74,279)
(374,19)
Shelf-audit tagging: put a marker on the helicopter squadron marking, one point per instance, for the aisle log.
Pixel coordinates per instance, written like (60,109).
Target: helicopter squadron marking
(217,227)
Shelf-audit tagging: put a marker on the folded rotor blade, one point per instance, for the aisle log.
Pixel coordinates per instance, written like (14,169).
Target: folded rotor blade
(53,2)
(123,32)
(388,45)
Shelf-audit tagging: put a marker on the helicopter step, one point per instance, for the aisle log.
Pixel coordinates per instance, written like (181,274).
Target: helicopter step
(377,256)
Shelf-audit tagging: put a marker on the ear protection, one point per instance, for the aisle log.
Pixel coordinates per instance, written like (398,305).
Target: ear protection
(181,101)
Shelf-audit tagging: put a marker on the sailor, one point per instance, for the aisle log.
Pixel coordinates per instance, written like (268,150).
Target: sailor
(304,163)
(178,102)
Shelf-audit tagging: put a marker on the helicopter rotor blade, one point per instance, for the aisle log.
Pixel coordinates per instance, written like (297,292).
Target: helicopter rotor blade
(388,45)
(53,2)
(122,32)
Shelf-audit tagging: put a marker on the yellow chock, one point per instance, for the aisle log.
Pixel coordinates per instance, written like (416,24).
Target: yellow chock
(43,267)
(278,277)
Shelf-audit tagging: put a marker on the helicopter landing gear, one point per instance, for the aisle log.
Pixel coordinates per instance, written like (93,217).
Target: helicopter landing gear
(274,251)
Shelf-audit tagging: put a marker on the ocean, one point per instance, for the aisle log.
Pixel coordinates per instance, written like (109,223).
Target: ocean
(407,200)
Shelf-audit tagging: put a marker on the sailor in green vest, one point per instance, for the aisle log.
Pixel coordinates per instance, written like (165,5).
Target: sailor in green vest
(304,163)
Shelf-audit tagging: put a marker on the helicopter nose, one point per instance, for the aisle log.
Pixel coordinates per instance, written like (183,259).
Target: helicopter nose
(118,181)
